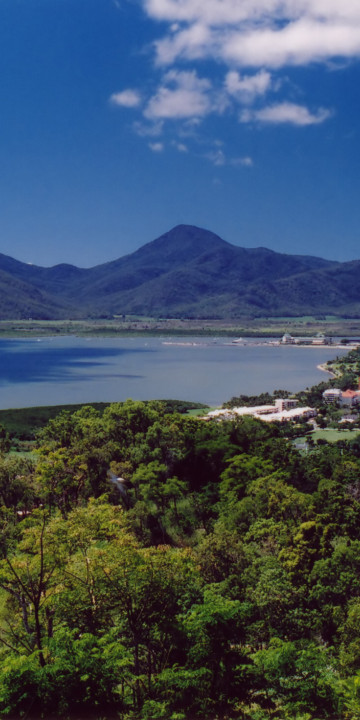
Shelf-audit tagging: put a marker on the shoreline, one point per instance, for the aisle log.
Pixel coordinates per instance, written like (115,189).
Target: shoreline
(325,369)
(211,393)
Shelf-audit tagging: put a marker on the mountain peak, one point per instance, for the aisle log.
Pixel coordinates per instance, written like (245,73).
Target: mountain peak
(183,243)
(186,272)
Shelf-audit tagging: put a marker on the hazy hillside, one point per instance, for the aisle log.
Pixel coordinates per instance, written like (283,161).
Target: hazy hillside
(20,299)
(187,272)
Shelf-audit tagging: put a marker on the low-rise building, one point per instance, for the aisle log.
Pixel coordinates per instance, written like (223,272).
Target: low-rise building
(285,403)
(332,395)
(287,339)
(268,413)
(318,339)
(346,397)
(293,414)
(350,397)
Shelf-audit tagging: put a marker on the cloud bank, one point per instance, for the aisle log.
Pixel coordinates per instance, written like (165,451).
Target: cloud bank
(271,33)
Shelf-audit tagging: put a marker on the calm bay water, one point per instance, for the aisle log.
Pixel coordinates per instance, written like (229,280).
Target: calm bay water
(60,370)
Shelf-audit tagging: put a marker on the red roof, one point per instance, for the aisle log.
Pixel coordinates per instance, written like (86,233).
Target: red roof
(350,393)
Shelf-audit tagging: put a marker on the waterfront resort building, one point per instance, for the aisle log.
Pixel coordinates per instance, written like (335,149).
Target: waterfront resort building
(283,410)
(347,397)
(318,339)
(332,395)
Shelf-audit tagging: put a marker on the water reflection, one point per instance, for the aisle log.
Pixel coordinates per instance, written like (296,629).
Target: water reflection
(33,362)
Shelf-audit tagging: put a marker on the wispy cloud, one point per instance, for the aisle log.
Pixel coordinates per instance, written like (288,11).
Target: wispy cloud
(156,147)
(218,158)
(148,129)
(181,147)
(285,112)
(126,98)
(243,161)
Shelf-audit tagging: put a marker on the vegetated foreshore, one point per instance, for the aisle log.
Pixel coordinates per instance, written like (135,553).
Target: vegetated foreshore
(133,325)
(323,367)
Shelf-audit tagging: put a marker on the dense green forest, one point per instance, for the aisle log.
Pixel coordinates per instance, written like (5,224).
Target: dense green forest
(154,565)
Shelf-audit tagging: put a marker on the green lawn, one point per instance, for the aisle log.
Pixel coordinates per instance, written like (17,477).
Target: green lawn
(330,435)
(200,411)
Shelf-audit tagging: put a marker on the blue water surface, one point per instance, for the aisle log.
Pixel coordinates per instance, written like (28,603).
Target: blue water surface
(60,370)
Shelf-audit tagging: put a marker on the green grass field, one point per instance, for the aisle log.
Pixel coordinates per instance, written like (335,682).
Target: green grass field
(199,412)
(331,435)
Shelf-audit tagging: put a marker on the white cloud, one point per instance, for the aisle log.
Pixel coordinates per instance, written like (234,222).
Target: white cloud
(183,95)
(153,129)
(157,147)
(211,11)
(297,43)
(220,12)
(245,88)
(181,147)
(258,33)
(218,158)
(253,39)
(286,112)
(126,98)
(192,42)
(244,161)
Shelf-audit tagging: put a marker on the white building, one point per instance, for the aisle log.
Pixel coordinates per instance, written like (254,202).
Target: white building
(318,339)
(332,395)
(346,397)
(285,403)
(268,413)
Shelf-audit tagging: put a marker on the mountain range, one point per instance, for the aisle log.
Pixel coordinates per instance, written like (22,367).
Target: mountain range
(187,272)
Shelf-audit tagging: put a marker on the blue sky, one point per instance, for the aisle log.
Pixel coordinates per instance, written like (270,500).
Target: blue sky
(122,118)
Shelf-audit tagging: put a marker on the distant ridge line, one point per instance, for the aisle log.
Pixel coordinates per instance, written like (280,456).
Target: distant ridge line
(187,272)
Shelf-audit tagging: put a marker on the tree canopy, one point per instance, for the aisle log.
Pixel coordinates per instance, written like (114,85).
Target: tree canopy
(153,565)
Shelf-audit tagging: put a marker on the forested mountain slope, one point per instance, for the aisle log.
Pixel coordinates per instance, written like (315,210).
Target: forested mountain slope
(187,272)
